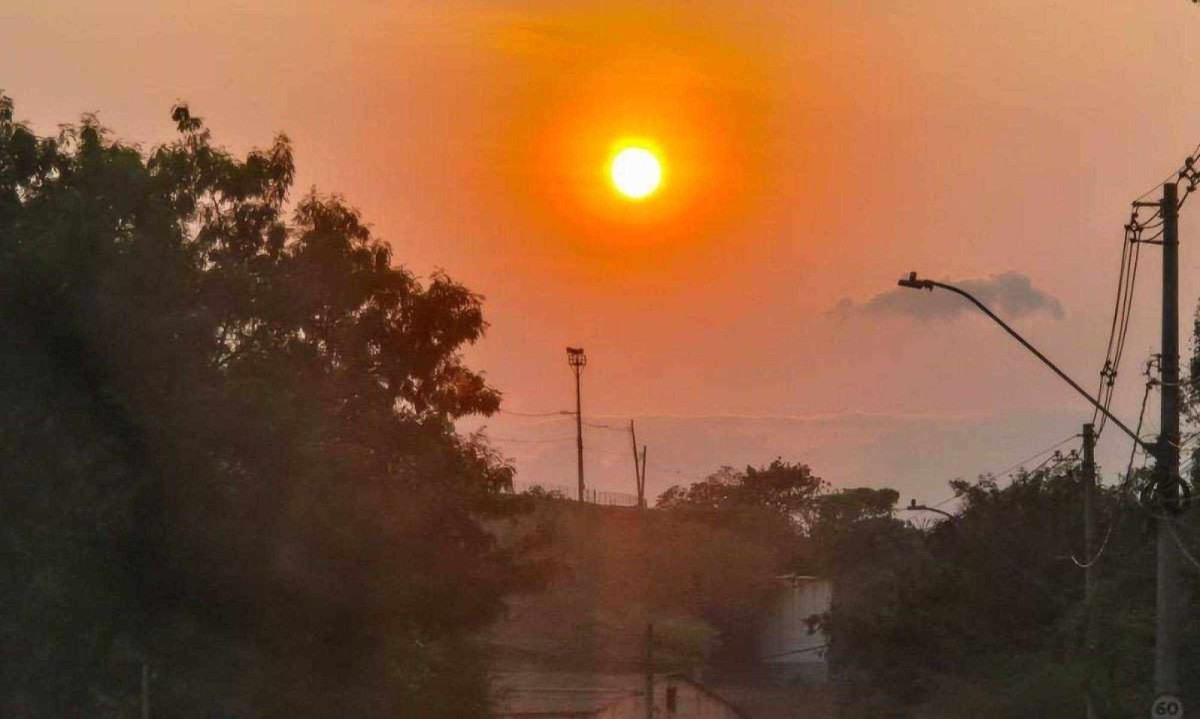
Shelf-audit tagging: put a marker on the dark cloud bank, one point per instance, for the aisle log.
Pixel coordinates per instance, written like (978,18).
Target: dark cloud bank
(1010,294)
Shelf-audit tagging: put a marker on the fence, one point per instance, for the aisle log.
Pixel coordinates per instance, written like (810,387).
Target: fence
(591,496)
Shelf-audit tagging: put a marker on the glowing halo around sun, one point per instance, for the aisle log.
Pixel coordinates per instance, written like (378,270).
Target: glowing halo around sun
(636,172)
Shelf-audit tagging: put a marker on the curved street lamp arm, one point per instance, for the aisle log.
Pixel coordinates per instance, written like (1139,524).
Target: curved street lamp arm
(913,282)
(914,507)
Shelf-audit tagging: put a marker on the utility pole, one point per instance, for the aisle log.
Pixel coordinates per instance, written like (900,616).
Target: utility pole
(145,689)
(650,670)
(637,469)
(1169,589)
(642,486)
(1089,542)
(578,360)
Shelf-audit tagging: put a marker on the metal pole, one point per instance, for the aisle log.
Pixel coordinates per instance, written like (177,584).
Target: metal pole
(1166,636)
(913,282)
(1089,570)
(579,427)
(145,689)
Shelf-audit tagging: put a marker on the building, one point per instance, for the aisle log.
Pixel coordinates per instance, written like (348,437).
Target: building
(791,645)
(548,695)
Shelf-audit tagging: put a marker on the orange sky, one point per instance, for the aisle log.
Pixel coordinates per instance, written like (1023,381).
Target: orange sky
(814,152)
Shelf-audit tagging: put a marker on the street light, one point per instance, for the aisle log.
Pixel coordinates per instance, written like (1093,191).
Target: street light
(913,282)
(914,507)
(1165,453)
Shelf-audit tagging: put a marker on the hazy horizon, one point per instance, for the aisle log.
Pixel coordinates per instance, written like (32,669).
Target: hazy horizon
(814,154)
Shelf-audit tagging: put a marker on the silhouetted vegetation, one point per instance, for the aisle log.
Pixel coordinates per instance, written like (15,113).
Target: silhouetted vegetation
(784,512)
(983,615)
(227,444)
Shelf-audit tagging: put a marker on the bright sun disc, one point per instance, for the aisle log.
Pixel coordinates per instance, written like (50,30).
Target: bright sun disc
(636,172)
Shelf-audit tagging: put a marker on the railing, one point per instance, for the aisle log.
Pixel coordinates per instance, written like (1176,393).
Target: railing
(590,496)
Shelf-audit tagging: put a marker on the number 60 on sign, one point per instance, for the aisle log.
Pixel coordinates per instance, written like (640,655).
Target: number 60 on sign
(1166,706)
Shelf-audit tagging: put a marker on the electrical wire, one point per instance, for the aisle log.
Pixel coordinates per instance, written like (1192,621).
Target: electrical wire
(518,440)
(1128,479)
(1187,163)
(1127,279)
(1122,311)
(1103,545)
(1032,457)
(605,426)
(1114,521)
(1170,523)
(1015,465)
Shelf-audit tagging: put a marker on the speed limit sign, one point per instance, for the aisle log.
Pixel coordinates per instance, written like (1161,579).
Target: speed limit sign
(1166,706)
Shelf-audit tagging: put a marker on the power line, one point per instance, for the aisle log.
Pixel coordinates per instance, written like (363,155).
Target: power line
(519,440)
(1032,457)
(1103,545)
(1131,253)
(537,414)
(1114,521)
(1127,277)
(1138,431)
(1015,465)
(1170,524)
(606,426)
(1186,165)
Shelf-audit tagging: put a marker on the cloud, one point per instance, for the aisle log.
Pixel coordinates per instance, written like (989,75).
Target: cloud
(1010,295)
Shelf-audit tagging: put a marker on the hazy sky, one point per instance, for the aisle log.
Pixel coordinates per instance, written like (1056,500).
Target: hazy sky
(814,152)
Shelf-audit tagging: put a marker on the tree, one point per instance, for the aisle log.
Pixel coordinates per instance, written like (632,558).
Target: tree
(230,451)
(983,614)
(782,489)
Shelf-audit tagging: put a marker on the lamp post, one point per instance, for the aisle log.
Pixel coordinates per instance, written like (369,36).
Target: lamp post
(918,284)
(914,507)
(1165,453)
(578,360)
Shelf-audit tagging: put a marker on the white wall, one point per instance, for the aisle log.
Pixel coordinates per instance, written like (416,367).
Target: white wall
(786,642)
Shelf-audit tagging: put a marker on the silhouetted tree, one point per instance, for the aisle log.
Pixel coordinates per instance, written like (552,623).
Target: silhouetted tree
(227,444)
(780,491)
(983,614)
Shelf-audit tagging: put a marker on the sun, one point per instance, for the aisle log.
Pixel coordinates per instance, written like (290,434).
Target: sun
(636,172)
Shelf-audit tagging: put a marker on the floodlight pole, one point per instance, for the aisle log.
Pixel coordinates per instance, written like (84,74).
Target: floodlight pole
(578,360)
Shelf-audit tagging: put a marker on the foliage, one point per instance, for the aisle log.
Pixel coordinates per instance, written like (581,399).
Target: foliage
(983,614)
(784,509)
(229,451)
(781,487)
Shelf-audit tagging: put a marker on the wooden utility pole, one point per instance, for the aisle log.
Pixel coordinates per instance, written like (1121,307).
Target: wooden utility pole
(637,470)
(639,467)
(1169,590)
(1089,555)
